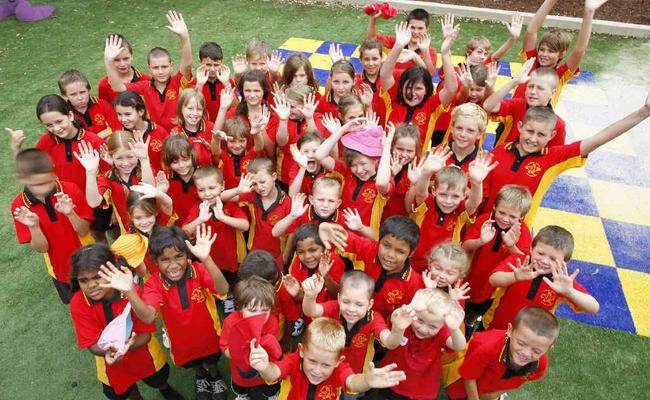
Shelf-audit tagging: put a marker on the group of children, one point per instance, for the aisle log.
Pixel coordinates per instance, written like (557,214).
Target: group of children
(242,205)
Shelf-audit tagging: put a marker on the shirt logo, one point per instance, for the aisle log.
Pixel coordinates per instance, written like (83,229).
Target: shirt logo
(369,195)
(171,94)
(244,165)
(328,392)
(451,226)
(394,296)
(548,298)
(156,145)
(273,219)
(99,119)
(198,296)
(360,340)
(533,169)
(420,118)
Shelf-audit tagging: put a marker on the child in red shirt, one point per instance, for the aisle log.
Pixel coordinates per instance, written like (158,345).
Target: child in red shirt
(191,117)
(404,150)
(498,361)
(213,76)
(371,56)
(467,131)
(179,159)
(95,114)
(317,369)
(161,92)
(92,308)
(307,168)
(340,83)
(544,282)
(184,293)
(48,210)
(298,70)
(127,73)
(260,57)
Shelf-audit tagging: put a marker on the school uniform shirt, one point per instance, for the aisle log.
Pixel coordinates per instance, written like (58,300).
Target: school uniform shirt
(563,73)
(106,92)
(436,227)
(235,166)
(66,166)
(158,134)
(508,301)
(420,359)
(212,94)
(389,43)
(512,111)
(188,311)
(55,226)
(395,204)
(296,386)
(272,126)
(487,362)
(99,115)
(184,195)
(308,178)
(231,248)
(89,319)
(286,308)
(362,195)
(465,161)
(327,104)
(310,216)
(301,273)
(487,257)
(535,171)
(161,106)
(391,289)
(359,340)
(378,105)
(203,153)
(263,220)
(114,191)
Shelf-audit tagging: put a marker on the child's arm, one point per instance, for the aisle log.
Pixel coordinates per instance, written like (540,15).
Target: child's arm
(282,109)
(371,32)
(479,168)
(402,38)
(201,250)
(30,219)
(414,171)
(434,162)
(493,103)
(382,180)
(308,109)
(562,283)
(245,186)
(215,144)
(226,98)
(424,44)
(322,154)
(88,157)
(401,319)
(450,33)
(311,287)
(514,28)
(241,224)
(259,361)
(296,184)
(354,223)
(375,378)
(163,201)
(204,216)
(575,57)
(521,272)
(487,234)
(177,25)
(65,206)
(17,139)
(141,150)
(298,208)
(471,389)
(453,320)
(122,279)
(112,50)
(530,39)
(616,129)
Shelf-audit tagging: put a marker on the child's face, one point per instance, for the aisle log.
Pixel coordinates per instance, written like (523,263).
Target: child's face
(59,124)
(124,161)
(192,112)
(182,166)
(535,135)
(414,95)
(257,62)
(539,91)
(295,112)
(547,57)
(208,188)
(160,68)
(354,303)
(353,112)
(300,77)
(212,67)
(129,117)
(308,149)
(448,198)
(255,308)
(172,263)
(40,185)
(142,220)
(363,167)
(526,346)
(445,270)
(371,61)
(427,324)
(325,200)
(309,253)
(392,253)
(237,145)
(123,62)
(253,93)
(476,93)
(342,84)
(506,215)
(544,256)
(477,56)
(89,283)
(417,28)
(78,95)
(263,183)
(404,150)
(465,132)
(318,364)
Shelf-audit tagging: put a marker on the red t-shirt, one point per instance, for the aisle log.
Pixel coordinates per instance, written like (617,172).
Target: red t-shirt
(512,112)
(395,204)
(114,191)
(301,273)
(212,94)
(158,134)
(234,167)
(98,116)
(63,240)
(485,362)
(378,105)
(203,153)
(183,194)
(464,163)
(106,92)
(89,320)
(389,42)
(421,361)
(260,235)
(189,312)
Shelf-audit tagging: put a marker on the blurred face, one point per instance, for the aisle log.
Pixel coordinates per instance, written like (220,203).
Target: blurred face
(526,346)
(427,324)
(445,270)
(212,66)
(257,63)
(295,107)
(534,136)
(465,132)
(353,112)
(129,117)
(547,57)
(354,303)
(89,283)
(250,310)
(160,68)
(544,256)
(477,56)
(317,364)
(414,94)
(308,149)
(124,161)
(192,113)
(123,62)
(476,93)
(309,252)
(40,185)
(417,28)
(371,62)
(78,95)
(363,167)
(253,93)
(506,215)
(404,150)
(182,166)
(172,263)
(342,84)
(447,198)
(237,145)
(59,124)
(539,91)
(208,189)
(263,183)
(392,253)
(325,200)
(142,220)
(300,77)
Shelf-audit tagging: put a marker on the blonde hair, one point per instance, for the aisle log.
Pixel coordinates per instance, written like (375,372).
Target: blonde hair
(257,49)
(454,253)
(546,74)
(473,111)
(259,164)
(326,182)
(298,92)
(184,98)
(477,42)
(356,278)
(119,140)
(436,301)
(453,177)
(515,195)
(207,171)
(410,131)
(556,40)
(326,334)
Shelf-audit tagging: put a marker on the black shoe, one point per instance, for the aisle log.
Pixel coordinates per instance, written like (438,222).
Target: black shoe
(169,393)
(202,389)
(218,388)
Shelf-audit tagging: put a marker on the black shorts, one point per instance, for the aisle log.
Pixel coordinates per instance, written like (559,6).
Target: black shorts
(156,380)
(478,308)
(266,390)
(102,221)
(437,137)
(390,395)
(211,359)
(231,277)
(64,291)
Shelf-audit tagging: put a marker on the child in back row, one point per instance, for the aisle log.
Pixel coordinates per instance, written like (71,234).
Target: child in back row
(122,63)
(191,122)
(179,159)
(213,76)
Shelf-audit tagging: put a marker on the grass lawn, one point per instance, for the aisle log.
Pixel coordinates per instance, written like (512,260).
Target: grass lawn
(37,346)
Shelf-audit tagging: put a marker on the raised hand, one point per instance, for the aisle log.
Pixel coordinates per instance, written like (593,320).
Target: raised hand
(64,203)
(436,160)
(402,34)
(407,55)
(447,25)
(104,155)
(223,74)
(487,231)
(277,88)
(148,191)
(449,39)
(87,156)
(424,42)
(161,182)
(177,24)
(331,123)
(119,279)
(298,157)
(313,285)
(372,119)
(260,121)
(274,61)
(139,147)
(524,73)
(402,317)
(217,209)
(383,377)
(333,234)
(366,94)
(511,237)
(17,139)
(465,75)
(395,165)
(515,24)
(309,106)
(112,48)
(593,5)
(26,217)
(245,184)
(492,74)
(389,134)
(458,291)
(204,240)
(226,97)
(562,282)
(204,212)
(239,64)
(352,219)
(201,75)
(292,285)
(524,271)
(335,52)
(282,108)
(258,358)
(429,281)
(454,317)
(325,264)
(481,166)
(414,170)
(220,135)
(298,206)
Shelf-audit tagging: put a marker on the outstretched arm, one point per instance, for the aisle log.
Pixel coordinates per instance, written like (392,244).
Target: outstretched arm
(493,103)
(450,33)
(112,49)
(371,32)
(575,57)
(514,28)
(530,39)
(177,25)
(402,38)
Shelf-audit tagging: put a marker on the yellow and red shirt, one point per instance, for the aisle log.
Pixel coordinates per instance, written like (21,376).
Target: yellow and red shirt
(212,94)
(98,116)
(512,112)
(200,140)
(114,190)
(183,194)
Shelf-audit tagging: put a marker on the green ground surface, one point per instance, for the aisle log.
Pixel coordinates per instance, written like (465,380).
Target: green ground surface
(38,357)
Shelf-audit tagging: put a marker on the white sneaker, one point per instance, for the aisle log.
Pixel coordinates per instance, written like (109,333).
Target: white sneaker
(165,339)
(503,396)
(298,327)
(274,397)
(229,304)
(242,397)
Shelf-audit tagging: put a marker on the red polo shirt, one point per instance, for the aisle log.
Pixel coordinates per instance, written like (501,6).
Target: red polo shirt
(106,92)
(233,166)
(263,220)
(158,134)
(183,194)
(114,191)
(301,273)
(395,204)
(389,42)
(512,112)
(464,163)
(310,216)
(212,94)
(98,116)
(203,153)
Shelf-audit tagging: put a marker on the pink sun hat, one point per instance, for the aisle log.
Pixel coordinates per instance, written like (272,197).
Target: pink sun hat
(367,141)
